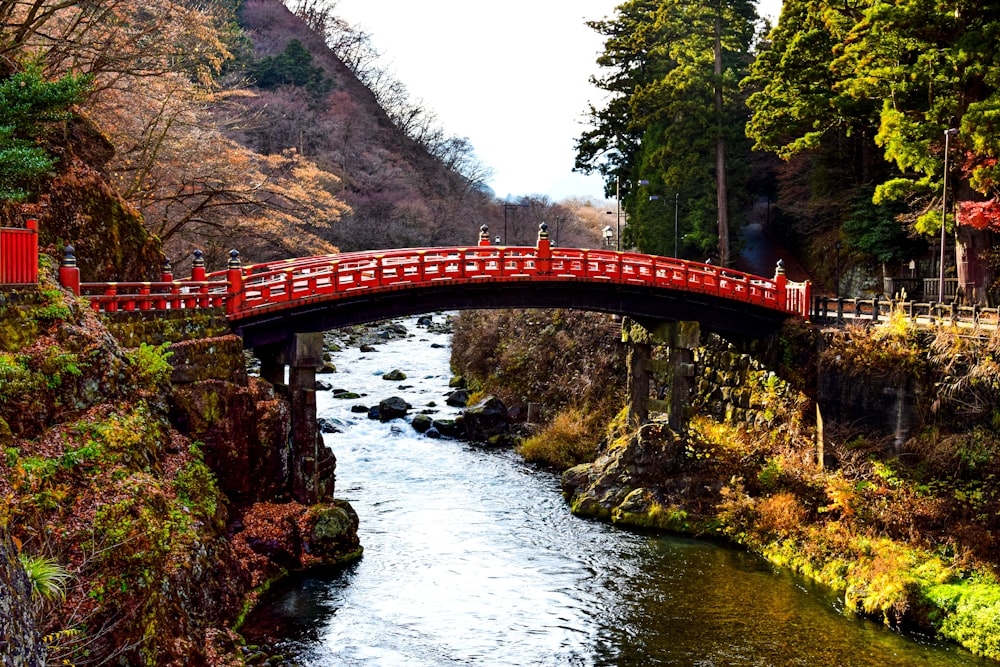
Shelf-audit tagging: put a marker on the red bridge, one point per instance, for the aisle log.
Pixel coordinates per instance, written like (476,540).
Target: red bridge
(268,303)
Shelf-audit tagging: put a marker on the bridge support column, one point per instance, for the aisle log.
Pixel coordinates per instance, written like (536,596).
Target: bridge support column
(272,363)
(312,463)
(682,338)
(685,340)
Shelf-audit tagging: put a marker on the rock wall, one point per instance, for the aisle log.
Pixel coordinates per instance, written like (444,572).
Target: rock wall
(20,643)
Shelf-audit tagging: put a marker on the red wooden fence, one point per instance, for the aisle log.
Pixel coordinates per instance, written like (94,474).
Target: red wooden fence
(19,255)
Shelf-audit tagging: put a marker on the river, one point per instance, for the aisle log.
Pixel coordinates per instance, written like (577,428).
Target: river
(473,558)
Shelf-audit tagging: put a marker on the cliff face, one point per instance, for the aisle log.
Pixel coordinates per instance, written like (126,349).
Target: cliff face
(165,498)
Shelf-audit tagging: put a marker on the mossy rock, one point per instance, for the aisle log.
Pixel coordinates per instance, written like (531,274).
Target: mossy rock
(108,234)
(333,535)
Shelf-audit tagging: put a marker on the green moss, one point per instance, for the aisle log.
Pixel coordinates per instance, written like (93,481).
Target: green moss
(197,489)
(968,612)
(641,510)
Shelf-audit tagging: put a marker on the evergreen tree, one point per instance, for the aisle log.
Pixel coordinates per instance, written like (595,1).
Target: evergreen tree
(675,118)
(29,105)
(291,67)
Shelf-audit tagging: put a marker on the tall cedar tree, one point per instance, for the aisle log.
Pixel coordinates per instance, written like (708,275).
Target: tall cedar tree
(675,118)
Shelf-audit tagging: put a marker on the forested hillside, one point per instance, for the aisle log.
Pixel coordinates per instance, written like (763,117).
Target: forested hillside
(178,125)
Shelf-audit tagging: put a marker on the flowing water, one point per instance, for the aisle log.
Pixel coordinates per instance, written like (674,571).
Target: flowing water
(472,558)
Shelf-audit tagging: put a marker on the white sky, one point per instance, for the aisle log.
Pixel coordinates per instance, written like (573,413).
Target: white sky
(511,76)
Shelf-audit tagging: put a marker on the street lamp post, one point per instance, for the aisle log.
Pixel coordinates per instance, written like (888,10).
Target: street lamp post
(948,134)
(677,200)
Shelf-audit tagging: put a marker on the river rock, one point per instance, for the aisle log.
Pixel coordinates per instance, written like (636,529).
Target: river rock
(327,426)
(392,408)
(344,394)
(458,398)
(323,385)
(457,382)
(422,423)
(449,428)
(367,348)
(486,418)
(432,433)
(359,409)
(636,480)
(332,534)
(395,375)
(373,412)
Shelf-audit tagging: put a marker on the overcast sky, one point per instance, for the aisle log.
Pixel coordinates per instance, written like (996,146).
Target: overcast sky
(513,77)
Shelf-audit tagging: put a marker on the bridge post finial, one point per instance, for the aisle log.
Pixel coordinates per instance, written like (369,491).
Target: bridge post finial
(166,271)
(484,235)
(198,267)
(543,264)
(781,284)
(234,293)
(69,273)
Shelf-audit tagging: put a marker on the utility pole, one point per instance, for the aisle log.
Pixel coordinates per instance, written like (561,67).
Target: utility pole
(948,134)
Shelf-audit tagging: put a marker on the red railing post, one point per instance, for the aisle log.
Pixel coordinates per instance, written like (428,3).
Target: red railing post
(543,263)
(781,285)
(484,235)
(166,271)
(69,274)
(198,268)
(234,276)
(166,276)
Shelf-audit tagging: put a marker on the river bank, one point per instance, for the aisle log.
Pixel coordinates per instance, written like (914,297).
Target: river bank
(899,519)
(473,557)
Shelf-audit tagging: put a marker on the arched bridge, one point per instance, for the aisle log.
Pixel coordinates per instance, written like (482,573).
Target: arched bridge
(267,303)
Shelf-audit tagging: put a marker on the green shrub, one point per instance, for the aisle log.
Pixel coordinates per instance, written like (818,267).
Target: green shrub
(150,364)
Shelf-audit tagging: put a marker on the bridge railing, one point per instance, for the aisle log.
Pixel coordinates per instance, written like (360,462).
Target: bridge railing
(830,309)
(19,254)
(246,291)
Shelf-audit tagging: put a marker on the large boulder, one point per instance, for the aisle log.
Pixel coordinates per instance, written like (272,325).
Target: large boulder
(392,408)
(422,423)
(449,428)
(485,419)
(332,533)
(458,398)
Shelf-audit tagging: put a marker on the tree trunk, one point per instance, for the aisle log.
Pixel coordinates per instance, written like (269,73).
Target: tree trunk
(973,274)
(720,148)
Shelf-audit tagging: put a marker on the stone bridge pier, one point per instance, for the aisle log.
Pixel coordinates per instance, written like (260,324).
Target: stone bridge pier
(661,385)
(313,464)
